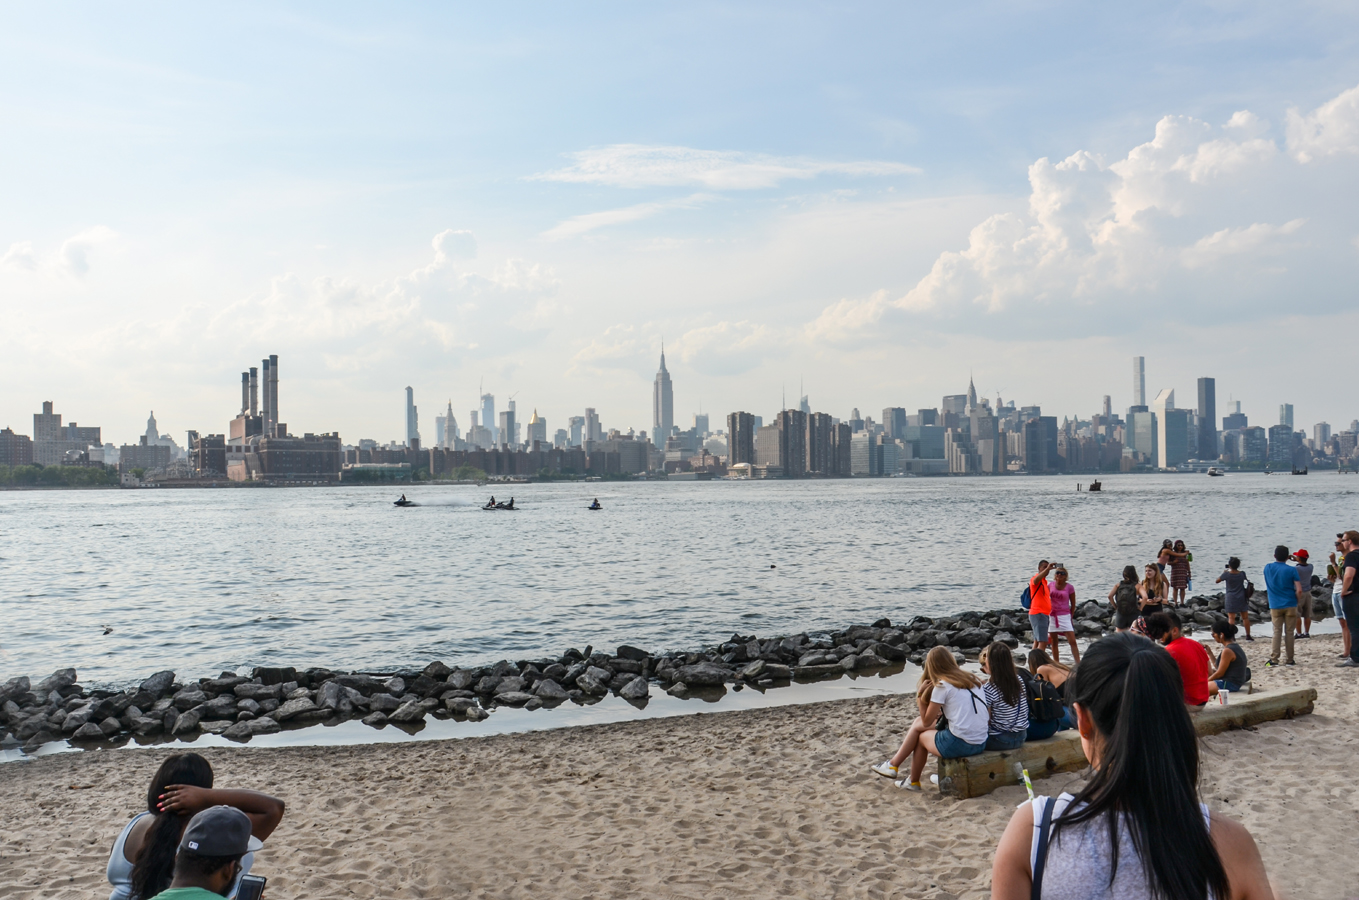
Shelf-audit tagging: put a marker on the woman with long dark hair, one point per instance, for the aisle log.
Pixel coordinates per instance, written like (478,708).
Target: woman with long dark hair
(1006,697)
(143,858)
(1124,600)
(1179,573)
(1137,829)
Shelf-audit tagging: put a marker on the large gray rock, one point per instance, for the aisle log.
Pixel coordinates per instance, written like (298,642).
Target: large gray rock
(972,637)
(239,732)
(259,692)
(14,687)
(375,719)
(510,685)
(889,652)
(849,663)
(58,680)
(513,698)
(187,722)
(383,703)
(816,658)
(754,670)
(220,685)
(221,726)
(264,725)
(476,714)
(328,695)
(110,726)
(292,708)
(460,679)
(591,687)
(637,689)
(396,686)
(250,706)
(870,660)
(704,674)
(410,711)
(598,673)
(144,725)
(89,732)
(189,698)
(223,707)
(459,706)
(488,684)
(437,670)
(633,653)
(547,689)
(158,683)
(76,718)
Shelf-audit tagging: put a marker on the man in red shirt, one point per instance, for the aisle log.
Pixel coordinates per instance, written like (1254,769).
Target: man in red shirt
(1193,660)
(1040,605)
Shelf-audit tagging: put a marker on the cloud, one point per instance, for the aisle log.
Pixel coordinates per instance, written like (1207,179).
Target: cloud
(638,165)
(1195,213)
(74,254)
(578,225)
(1331,129)
(728,348)
(20,256)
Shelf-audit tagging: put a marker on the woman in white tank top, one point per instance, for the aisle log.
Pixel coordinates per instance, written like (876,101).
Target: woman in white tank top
(1139,740)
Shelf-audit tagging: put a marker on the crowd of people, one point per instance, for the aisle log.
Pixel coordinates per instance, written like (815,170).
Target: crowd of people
(1138,827)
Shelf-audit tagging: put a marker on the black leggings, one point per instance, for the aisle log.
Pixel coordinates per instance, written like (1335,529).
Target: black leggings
(1350,604)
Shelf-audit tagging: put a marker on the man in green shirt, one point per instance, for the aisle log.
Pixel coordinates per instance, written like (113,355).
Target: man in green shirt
(209,856)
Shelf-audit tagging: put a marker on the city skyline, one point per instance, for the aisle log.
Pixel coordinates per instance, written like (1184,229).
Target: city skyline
(873,221)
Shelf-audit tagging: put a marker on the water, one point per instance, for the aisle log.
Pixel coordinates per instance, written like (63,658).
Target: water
(202,581)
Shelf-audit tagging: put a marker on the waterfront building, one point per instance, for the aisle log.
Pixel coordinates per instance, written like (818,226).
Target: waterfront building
(1236,420)
(595,432)
(894,422)
(52,440)
(1281,443)
(986,440)
(821,445)
(1206,443)
(577,426)
(1286,415)
(256,454)
(452,437)
(1253,446)
(560,439)
(15,449)
(412,420)
(767,453)
(792,426)
(740,438)
(662,405)
(1321,435)
(925,441)
(1139,385)
(207,455)
(153,459)
(537,431)
(506,430)
(842,437)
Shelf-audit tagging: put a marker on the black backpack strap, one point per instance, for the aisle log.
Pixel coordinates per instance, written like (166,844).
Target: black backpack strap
(1041,859)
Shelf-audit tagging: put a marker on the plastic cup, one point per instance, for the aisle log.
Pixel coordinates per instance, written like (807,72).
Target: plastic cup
(1223,696)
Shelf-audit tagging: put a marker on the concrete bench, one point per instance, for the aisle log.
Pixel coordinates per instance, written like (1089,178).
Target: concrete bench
(973,776)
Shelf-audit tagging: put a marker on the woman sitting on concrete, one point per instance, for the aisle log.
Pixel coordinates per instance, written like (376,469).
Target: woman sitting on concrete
(1231,673)
(1138,828)
(1006,697)
(944,688)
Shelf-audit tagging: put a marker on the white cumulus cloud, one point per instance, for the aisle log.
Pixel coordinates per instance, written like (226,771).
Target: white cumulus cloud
(1329,130)
(639,165)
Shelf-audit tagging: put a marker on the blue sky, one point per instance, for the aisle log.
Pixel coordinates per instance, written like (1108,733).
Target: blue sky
(874,199)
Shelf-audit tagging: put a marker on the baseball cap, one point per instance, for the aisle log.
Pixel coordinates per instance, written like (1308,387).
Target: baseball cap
(219,831)
(1302,554)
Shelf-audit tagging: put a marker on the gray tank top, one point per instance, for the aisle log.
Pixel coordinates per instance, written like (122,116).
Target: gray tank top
(1079,860)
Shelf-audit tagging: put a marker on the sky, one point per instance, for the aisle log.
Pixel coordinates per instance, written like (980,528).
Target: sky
(872,203)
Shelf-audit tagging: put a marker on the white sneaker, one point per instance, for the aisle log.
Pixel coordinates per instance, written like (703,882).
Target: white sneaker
(886,769)
(907,785)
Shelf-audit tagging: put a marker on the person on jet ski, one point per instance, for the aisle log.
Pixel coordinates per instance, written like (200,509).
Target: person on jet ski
(403,498)
(596,505)
(490,504)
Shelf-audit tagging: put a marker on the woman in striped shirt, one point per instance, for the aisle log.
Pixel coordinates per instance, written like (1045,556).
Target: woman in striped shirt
(1006,698)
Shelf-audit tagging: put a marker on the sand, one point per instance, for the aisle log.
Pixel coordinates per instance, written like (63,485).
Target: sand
(769,803)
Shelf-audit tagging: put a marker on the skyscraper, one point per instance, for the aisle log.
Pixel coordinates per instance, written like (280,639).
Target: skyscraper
(662,405)
(740,438)
(577,426)
(593,430)
(1286,415)
(412,418)
(451,435)
(792,430)
(701,424)
(488,416)
(1139,381)
(1207,411)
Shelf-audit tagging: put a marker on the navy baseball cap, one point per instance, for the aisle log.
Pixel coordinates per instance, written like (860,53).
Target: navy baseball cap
(219,831)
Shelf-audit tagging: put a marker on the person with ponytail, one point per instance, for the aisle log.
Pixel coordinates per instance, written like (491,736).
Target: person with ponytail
(142,862)
(1137,830)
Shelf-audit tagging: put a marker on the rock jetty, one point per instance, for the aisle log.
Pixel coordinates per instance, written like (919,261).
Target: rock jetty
(271,699)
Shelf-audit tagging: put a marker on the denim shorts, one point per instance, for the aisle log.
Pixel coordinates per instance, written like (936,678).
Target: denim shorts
(1230,687)
(1337,605)
(953,747)
(1039,623)
(1007,740)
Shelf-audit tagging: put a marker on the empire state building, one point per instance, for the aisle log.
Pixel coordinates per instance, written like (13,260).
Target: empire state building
(662,406)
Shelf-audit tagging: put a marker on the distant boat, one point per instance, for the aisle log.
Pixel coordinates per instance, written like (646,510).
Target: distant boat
(1302,471)
(1096,486)
(1216,472)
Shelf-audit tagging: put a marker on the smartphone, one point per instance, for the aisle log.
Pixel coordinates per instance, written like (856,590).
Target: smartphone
(251,887)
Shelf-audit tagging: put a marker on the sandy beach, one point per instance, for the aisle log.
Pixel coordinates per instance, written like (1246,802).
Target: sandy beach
(765,803)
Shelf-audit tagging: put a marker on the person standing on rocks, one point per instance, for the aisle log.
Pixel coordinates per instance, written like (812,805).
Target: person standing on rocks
(1040,604)
(1305,569)
(1285,591)
(1349,591)
(1123,598)
(1062,597)
(1179,573)
(1235,594)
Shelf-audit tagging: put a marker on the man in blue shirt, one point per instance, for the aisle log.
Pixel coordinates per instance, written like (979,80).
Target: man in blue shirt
(1285,590)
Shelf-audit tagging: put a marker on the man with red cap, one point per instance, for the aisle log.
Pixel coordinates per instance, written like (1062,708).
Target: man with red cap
(1304,567)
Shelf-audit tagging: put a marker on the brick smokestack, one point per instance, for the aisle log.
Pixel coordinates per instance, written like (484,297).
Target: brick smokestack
(254,391)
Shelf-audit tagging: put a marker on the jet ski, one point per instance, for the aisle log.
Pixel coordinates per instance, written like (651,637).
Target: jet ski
(502,505)
(403,502)
(594,505)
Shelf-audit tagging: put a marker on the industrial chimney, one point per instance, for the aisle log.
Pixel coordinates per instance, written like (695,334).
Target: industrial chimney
(273,392)
(266,407)
(254,392)
(245,393)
